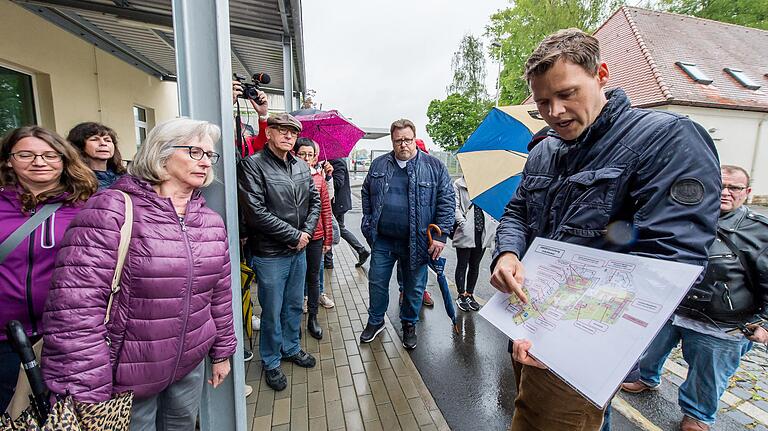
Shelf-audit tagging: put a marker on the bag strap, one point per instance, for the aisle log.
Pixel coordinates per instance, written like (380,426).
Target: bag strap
(26,228)
(122,251)
(741,257)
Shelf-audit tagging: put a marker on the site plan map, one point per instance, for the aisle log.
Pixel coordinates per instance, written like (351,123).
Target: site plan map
(590,313)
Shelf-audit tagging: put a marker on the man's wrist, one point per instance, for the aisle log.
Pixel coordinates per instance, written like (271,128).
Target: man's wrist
(219,360)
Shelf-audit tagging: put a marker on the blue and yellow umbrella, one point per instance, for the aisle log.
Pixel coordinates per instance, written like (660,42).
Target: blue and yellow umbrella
(493,157)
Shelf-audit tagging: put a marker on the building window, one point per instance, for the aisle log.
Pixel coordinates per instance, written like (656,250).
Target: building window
(140,121)
(694,72)
(742,78)
(17,100)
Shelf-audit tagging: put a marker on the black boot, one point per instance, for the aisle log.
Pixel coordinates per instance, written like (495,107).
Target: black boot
(313,327)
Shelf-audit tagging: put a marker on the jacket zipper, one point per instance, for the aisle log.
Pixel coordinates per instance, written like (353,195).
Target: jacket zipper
(187,298)
(719,256)
(295,196)
(30,263)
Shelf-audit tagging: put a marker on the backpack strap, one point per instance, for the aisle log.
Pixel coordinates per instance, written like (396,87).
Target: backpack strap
(17,236)
(741,257)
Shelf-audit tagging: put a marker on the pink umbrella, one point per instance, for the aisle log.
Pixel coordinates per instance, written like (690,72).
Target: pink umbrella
(335,135)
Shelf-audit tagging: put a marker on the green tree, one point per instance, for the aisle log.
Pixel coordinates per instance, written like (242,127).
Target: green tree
(452,120)
(749,13)
(469,70)
(520,28)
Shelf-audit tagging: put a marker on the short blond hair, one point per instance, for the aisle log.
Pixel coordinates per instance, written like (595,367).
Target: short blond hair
(149,162)
(572,45)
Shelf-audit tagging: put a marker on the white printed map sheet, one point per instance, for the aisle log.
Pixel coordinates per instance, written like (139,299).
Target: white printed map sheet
(590,313)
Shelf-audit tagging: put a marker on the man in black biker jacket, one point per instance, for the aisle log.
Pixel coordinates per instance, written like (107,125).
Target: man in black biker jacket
(720,317)
(279,207)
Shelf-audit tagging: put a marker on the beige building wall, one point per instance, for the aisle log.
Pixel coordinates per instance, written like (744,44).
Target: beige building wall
(741,138)
(75,81)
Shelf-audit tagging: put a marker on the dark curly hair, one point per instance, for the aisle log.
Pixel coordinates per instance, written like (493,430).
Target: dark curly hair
(77,179)
(80,133)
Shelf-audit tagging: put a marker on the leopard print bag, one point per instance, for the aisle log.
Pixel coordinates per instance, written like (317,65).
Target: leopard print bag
(113,414)
(61,418)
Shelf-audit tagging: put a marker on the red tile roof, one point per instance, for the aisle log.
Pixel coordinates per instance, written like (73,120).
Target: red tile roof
(641,47)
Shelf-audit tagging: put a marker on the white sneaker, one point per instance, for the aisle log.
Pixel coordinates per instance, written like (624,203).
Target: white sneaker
(248,390)
(304,307)
(326,302)
(255,323)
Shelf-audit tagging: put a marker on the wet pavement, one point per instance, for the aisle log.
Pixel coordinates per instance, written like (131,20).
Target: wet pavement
(469,374)
(471,379)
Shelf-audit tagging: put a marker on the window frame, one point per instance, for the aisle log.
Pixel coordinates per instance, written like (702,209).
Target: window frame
(742,78)
(35,91)
(693,72)
(138,124)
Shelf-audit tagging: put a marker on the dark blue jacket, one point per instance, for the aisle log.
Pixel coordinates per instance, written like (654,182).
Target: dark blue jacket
(428,184)
(636,181)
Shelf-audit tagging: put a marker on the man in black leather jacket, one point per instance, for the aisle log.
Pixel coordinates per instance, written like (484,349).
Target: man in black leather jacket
(734,292)
(280,207)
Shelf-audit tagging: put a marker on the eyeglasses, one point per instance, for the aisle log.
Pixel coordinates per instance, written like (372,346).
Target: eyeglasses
(285,130)
(403,141)
(29,156)
(305,155)
(197,153)
(734,189)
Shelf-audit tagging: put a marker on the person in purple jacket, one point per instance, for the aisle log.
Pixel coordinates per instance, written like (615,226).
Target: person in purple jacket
(37,167)
(175,303)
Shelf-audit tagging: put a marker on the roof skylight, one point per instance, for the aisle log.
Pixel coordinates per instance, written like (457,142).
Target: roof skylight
(694,72)
(742,78)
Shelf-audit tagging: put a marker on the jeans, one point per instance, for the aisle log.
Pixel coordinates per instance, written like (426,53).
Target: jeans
(322,278)
(312,284)
(9,373)
(281,286)
(468,258)
(711,362)
(384,254)
(348,236)
(173,409)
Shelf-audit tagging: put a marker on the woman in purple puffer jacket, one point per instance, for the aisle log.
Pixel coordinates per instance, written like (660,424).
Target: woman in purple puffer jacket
(37,167)
(175,303)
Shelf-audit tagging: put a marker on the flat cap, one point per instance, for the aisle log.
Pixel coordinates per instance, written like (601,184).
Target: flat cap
(284,120)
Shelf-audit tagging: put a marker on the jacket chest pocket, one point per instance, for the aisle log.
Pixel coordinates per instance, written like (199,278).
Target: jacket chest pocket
(589,201)
(536,188)
(378,183)
(426,192)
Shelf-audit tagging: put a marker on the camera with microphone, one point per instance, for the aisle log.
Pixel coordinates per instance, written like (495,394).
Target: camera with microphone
(251,89)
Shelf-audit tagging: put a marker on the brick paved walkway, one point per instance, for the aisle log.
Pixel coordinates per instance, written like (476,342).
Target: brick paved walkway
(354,387)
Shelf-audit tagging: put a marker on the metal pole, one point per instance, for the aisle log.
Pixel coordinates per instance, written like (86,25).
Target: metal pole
(201,34)
(498,84)
(497,45)
(288,73)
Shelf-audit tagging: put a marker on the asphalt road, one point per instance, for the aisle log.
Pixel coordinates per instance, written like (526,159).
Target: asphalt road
(469,373)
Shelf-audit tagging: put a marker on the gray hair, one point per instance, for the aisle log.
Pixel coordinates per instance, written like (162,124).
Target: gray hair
(149,162)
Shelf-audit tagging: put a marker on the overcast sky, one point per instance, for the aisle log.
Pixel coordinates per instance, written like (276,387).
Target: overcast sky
(377,61)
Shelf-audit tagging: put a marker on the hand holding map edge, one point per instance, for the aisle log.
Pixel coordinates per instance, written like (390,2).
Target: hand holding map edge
(508,276)
(520,354)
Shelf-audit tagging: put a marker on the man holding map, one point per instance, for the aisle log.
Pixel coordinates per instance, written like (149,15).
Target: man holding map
(608,177)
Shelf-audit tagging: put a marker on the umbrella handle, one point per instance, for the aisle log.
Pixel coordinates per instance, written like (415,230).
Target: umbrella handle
(429,232)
